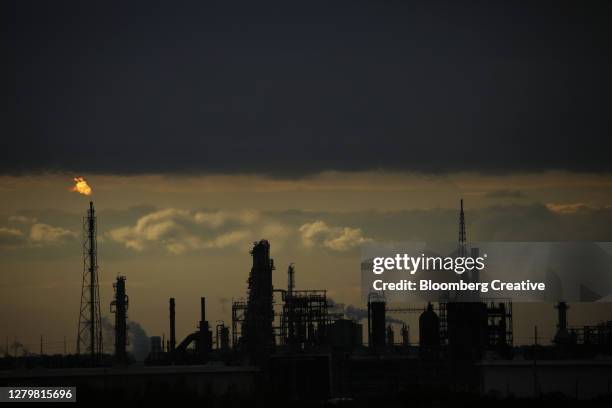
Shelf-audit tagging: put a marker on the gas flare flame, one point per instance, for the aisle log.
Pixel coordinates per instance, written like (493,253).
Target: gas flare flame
(81,186)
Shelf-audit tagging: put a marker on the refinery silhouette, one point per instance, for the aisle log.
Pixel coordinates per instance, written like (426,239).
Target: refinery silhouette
(295,344)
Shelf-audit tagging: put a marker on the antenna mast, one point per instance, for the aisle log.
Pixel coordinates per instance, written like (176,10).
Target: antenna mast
(462,237)
(89,337)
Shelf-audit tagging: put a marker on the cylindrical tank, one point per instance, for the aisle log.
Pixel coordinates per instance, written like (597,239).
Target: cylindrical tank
(225,339)
(429,328)
(377,321)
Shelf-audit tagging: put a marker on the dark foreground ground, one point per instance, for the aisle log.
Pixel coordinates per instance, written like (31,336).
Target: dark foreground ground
(173,398)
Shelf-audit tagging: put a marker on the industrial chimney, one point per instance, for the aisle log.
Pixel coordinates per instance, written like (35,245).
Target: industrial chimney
(205,335)
(172,326)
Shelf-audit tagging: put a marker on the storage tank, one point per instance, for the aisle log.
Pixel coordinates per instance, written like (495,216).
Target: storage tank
(429,328)
(376,320)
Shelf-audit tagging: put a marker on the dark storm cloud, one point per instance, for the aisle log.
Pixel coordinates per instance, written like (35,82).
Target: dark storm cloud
(291,89)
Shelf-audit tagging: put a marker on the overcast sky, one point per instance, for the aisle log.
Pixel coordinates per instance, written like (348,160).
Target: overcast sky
(300,87)
(318,125)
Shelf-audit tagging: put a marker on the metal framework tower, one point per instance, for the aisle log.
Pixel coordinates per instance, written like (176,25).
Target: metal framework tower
(238,313)
(304,318)
(462,236)
(89,338)
(119,306)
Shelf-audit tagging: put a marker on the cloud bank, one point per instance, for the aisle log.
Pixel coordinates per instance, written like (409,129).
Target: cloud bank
(38,235)
(318,233)
(179,231)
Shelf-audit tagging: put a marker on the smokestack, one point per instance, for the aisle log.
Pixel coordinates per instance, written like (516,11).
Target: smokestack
(205,336)
(203,309)
(172,326)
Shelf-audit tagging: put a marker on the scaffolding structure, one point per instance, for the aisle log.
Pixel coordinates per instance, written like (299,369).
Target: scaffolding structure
(304,319)
(499,316)
(238,312)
